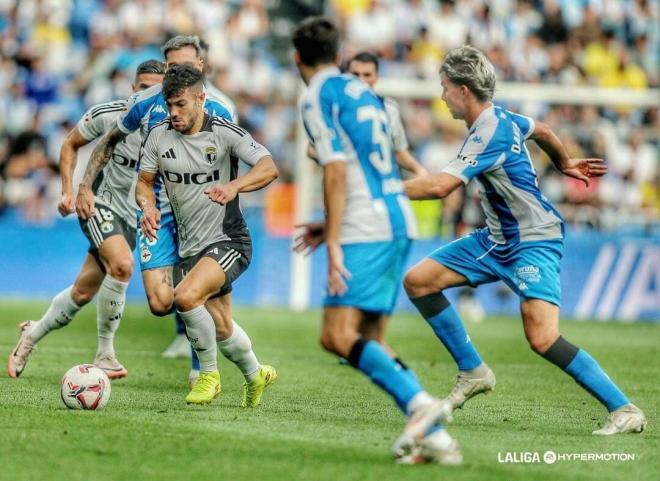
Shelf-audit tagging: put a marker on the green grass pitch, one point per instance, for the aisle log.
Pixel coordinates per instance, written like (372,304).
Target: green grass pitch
(322,420)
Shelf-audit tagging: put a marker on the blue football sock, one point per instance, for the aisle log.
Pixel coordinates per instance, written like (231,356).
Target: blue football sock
(447,325)
(180,325)
(370,358)
(578,364)
(194,360)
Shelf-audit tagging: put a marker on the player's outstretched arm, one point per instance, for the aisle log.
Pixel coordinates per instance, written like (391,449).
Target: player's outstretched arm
(311,237)
(437,186)
(146,201)
(581,169)
(100,157)
(68,157)
(258,177)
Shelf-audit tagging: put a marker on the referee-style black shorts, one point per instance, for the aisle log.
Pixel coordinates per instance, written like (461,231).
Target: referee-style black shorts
(234,257)
(105,224)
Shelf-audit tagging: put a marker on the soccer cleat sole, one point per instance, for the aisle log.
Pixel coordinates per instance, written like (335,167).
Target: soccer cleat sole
(115,374)
(205,402)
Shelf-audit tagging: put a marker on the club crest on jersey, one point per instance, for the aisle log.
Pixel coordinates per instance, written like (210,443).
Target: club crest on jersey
(106,227)
(211,154)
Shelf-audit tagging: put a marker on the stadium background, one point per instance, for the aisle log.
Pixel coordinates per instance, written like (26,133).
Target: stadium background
(58,57)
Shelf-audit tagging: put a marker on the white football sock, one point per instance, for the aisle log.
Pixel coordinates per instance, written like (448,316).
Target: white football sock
(201,334)
(109,309)
(59,314)
(238,349)
(419,400)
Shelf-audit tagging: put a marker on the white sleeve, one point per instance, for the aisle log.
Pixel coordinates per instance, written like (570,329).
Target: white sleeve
(149,153)
(96,122)
(240,142)
(399,138)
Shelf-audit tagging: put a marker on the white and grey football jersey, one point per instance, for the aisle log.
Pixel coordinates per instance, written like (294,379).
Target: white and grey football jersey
(399,138)
(190,164)
(115,184)
(148,108)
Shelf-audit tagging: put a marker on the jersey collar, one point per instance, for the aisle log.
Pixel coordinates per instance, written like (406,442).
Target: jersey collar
(482,116)
(323,74)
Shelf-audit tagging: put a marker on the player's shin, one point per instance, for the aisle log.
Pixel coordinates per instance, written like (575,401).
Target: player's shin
(447,325)
(238,349)
(109,309)
(370,358)
(201,333)
(578,364)
(61,311)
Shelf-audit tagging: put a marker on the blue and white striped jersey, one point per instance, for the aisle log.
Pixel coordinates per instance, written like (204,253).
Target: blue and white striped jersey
(148,107)
(347,122)
(494,154)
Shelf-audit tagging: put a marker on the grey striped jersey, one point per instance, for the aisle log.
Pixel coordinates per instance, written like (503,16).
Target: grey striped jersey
(115,184)
(190,164)
(399,138)
(494,154)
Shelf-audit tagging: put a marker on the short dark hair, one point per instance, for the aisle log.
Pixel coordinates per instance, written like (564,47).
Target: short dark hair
(317,41)
(150,66)
(181,77)
(365,57)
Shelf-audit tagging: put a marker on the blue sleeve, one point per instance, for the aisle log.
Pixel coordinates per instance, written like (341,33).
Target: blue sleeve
(218,110)
(525,124)
(320,112)
(130,120)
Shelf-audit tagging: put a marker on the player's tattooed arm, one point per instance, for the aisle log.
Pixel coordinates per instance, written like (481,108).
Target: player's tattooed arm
(146,201)
(98,160)
(68,156)
(258,177)
(581,169)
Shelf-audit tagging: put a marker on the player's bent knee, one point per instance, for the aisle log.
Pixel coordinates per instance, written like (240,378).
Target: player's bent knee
(417,284)
(337,342)
(82,296)
(157,306)
(186,299)
(540,343)
(122,269)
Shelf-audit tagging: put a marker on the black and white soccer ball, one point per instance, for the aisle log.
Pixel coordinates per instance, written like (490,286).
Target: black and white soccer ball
(85,387)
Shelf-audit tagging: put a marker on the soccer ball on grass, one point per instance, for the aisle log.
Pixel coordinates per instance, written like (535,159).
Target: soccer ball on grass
(85,387)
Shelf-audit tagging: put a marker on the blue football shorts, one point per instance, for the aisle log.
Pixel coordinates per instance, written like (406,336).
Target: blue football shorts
(376,270)
(531,268)
(161,252)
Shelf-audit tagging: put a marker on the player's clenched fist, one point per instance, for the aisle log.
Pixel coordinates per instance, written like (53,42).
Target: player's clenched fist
(85,202)
(66,205)
(150,222)
(222,194)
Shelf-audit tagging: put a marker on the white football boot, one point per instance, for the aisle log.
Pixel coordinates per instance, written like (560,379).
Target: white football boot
(470,383)
(21,353)
(418,424)
(626,419)
(437,447)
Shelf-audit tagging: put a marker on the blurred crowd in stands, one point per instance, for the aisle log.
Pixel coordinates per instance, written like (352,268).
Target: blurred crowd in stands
(58,57)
